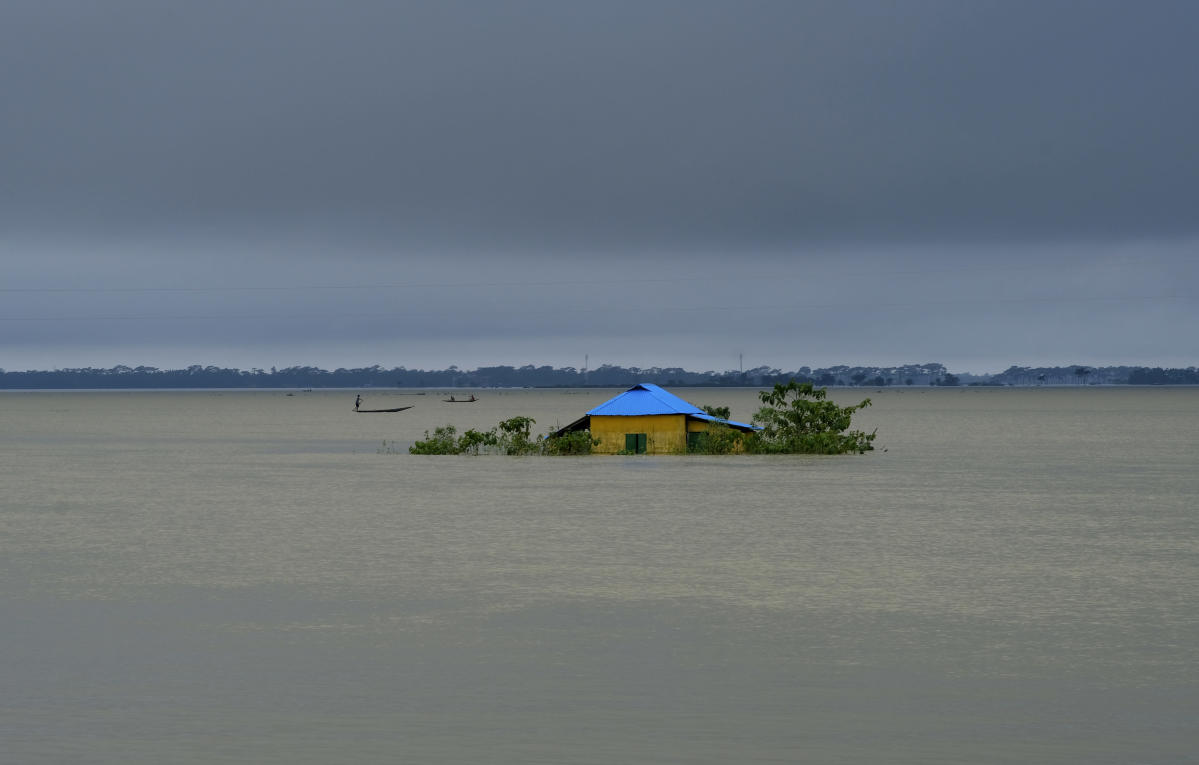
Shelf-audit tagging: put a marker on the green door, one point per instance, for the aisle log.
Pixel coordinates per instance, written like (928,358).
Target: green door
(635,443)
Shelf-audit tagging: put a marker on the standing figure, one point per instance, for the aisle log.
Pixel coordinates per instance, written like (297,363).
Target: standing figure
(357,402)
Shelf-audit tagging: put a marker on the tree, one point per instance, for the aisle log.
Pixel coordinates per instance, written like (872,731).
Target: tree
(517,427)
(512,436)
(718,438)
(441,442)
(720,412)
(472,441)
(568,444)
(515,435)
(798,418)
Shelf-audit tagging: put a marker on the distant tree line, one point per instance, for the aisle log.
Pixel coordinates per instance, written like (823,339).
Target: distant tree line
(606,376)
(1082,375)
(1159,376)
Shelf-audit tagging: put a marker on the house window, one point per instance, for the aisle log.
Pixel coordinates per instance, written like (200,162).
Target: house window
(635,443)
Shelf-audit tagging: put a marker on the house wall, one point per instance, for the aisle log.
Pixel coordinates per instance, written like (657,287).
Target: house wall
(665,433)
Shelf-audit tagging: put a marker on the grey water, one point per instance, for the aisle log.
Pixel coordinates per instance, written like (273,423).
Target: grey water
(229,577)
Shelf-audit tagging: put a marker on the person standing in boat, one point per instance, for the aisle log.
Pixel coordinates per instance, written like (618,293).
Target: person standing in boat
(357,402)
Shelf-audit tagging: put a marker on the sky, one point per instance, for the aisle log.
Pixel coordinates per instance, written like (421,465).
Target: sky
(646,183)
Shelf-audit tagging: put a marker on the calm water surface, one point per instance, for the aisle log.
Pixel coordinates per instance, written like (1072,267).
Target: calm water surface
(206,577)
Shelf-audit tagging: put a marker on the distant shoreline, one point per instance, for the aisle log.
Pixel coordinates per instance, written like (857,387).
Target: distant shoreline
(435,390)
(931,374)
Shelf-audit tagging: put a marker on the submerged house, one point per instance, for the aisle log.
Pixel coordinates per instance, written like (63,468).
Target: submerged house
(646,419)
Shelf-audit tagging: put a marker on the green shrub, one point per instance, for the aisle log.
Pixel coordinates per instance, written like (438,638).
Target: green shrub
(719,438)
(514,437)
(799,419)
(723,412)
(569,444)
(441,442)
(473,441)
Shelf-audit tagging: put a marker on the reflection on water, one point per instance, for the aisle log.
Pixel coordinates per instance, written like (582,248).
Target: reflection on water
(233,576)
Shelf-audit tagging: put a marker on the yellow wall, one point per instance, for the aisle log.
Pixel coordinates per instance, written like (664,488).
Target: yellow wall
(665,433)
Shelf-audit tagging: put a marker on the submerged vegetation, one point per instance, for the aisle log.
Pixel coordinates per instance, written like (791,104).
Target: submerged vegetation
(443,441)
(512,436)
(798,418)
(717,439)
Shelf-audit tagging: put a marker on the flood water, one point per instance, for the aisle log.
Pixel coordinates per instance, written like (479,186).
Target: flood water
(229,577)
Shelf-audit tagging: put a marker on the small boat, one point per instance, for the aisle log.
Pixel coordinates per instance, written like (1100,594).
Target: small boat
(377,411)
(452,400)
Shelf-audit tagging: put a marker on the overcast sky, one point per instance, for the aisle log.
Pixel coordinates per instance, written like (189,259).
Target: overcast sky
(645,183)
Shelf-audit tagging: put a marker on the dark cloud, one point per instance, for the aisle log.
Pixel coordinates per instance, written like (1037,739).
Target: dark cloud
(537,180)
(615,122)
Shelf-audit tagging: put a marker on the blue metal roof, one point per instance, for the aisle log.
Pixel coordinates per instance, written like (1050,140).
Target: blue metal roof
(644,399)
(647,399)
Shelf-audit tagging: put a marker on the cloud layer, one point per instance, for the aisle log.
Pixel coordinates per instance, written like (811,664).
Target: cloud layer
(545,166)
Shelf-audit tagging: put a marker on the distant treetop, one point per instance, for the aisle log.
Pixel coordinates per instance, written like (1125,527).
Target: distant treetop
(606,376)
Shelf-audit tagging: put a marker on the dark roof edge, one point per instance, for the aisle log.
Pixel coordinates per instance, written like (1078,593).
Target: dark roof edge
(742,426)
(583,423)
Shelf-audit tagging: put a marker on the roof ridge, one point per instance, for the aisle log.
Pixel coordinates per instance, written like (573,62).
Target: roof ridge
(630,402)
